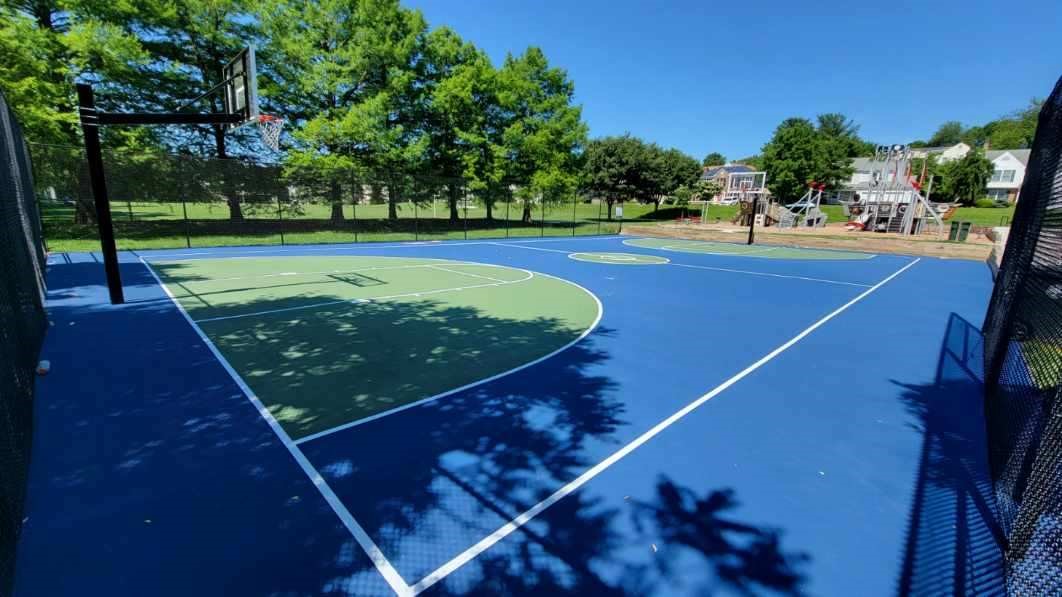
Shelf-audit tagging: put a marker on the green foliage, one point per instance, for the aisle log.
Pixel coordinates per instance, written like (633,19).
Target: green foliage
(682,195)
(543,131)
(965,180)
(798,153)
(36,87)
(627,167)
(1013,131)
(989,203)
(948,133)
(839,129)
(705,190)
(713,159)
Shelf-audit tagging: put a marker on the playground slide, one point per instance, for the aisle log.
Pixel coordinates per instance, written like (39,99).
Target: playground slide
(859,222)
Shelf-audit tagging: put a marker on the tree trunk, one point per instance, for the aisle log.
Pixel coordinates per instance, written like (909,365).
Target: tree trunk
(489,203)
(392,202)
(452,199)
(232,199)
(656,204)
(526,217)
(335,195)
(610,202)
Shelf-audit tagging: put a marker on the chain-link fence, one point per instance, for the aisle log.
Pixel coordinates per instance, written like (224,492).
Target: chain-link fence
(1023,352)
(22,325)
(166,201)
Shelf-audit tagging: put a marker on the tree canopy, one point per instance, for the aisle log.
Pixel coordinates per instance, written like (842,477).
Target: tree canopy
(799,153)
(626,167)
(713,159)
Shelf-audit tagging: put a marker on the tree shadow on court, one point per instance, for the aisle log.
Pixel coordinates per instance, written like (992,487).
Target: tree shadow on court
(155,454)
(676,543)
(953,544)
(153,474)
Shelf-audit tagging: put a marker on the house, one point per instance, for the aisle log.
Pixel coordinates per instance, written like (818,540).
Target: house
(722,173)
(1007,174)
(1004,185)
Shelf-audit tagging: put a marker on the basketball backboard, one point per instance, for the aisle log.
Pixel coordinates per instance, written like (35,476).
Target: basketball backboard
(240,87)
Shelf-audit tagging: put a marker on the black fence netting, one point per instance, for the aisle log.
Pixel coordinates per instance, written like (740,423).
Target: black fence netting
(166,200)
(22,325)
(1023,353)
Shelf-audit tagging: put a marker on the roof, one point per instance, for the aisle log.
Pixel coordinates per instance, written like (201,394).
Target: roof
(1022,155)
(713,171)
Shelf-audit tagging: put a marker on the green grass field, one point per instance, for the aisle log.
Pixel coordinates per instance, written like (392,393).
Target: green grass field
(325,341)
(152,225)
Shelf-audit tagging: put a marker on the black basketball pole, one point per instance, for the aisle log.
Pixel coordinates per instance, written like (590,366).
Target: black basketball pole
(752,220)
(91,121)
(90,128)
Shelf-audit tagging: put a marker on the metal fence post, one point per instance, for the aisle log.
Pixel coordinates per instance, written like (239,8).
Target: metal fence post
(509,196)
(575,202)
(542,223)
(464,199)
(280,218)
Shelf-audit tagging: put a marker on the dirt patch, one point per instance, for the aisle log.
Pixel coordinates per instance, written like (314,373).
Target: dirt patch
(976,248)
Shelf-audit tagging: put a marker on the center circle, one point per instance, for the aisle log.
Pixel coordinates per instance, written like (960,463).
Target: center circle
(619,258)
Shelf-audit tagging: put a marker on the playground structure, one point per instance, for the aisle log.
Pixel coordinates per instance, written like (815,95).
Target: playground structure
(749,191)
(892,200)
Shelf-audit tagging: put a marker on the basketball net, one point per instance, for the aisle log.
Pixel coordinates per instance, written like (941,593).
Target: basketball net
(269,128)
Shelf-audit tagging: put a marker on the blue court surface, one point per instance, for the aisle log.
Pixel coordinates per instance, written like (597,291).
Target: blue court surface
(720,422)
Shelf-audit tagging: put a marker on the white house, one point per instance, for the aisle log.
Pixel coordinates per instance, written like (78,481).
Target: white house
(1008,174)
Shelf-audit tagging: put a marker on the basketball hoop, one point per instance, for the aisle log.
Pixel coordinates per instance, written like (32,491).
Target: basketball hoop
(269,128)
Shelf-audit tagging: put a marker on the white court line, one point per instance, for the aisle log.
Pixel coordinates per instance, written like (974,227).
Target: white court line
(382,564)
(398,409)
(627,259)
(688,248)
(630,243)
(506,529)
(751,273)
(530,248)
(371,299)
(366,246)
(471,275)
(320,273)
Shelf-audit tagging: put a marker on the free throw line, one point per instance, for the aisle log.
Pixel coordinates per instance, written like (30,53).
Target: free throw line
(483,544)
(374,299)
(382,564)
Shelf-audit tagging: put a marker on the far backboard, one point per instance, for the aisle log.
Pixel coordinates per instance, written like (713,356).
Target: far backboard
(240,84)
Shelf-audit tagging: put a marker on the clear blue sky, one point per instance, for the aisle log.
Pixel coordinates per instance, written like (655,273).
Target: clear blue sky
(714,76)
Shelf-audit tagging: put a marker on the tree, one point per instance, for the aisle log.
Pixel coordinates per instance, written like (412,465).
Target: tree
(35,85)
(611,168)
(948,133)
(840,129)
(451,115)
(676,169)
(965,180)
(706,189)
(543,132)
(713,159)
(798,154)
(342,74)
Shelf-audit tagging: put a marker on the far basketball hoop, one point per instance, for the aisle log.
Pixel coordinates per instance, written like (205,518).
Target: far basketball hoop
(269,128)
(240,78)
